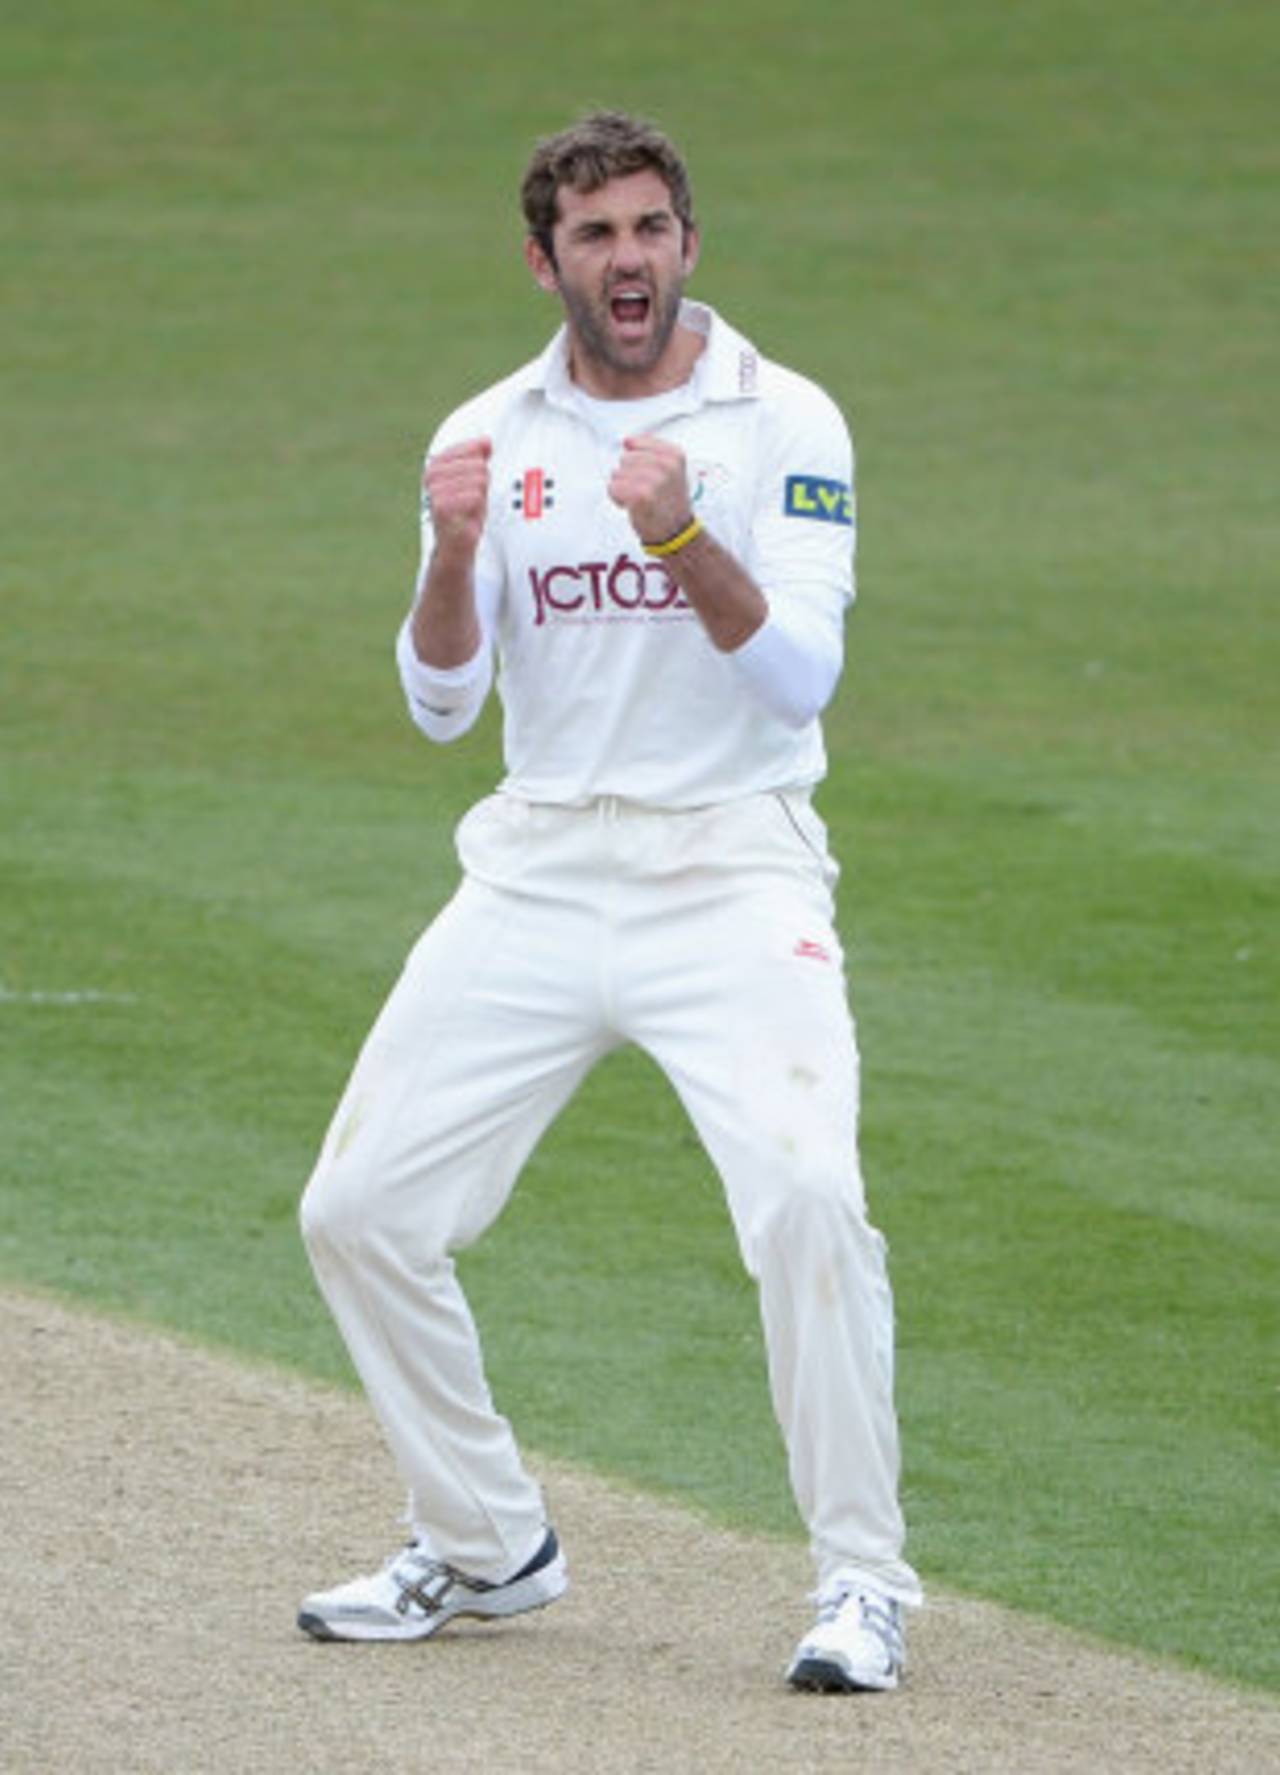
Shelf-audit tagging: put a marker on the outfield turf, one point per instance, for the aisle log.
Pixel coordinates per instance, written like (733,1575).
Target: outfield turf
(252,255)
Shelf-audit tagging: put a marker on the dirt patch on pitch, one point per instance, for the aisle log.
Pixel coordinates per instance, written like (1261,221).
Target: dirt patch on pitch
(165,1507)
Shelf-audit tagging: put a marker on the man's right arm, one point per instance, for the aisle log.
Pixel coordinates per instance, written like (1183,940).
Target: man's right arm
(446,632)
(444,650)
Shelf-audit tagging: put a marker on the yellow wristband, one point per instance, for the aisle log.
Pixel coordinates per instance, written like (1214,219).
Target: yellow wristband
(678,541)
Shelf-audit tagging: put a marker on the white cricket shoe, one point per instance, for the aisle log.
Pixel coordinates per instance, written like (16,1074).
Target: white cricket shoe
(415,1594)
(857,1641)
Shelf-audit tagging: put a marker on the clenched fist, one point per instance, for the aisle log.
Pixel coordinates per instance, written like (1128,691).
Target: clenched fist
(457,486)
(651,485)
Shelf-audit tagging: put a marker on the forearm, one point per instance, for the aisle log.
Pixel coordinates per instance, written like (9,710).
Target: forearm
(444,650)
(445,627)
(788,654)
(728,601)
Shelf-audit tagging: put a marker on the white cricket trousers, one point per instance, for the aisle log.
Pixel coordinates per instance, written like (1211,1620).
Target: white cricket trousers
(705,937)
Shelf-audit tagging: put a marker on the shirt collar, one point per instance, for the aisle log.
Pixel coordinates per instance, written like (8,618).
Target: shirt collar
(727,370)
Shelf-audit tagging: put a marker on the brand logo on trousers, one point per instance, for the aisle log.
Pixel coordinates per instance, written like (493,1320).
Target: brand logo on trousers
(811,951)
(618,590)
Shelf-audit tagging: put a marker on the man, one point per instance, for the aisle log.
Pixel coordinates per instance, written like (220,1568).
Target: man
(651,526)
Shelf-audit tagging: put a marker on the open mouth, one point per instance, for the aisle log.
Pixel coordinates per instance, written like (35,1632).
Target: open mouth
(629,308)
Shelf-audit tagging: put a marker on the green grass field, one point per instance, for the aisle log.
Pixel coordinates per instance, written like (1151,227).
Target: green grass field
(253,253)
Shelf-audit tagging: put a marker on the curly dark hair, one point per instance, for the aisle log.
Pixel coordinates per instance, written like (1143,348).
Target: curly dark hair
(604,145)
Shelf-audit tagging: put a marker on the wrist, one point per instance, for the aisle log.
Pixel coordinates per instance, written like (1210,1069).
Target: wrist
(672,544)
(454,551)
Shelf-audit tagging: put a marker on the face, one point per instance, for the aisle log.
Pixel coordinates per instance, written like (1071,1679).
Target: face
(622,258)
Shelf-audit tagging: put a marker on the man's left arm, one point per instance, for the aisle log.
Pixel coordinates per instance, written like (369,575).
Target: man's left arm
(651,485)
(787,644)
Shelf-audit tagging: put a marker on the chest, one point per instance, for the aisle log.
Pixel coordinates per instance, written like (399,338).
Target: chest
(567,549)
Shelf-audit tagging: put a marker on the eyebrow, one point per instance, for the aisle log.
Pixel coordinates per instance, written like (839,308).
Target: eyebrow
(598,224)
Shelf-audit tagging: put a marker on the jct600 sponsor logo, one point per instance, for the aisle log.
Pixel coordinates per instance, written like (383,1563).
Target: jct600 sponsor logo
(620,589)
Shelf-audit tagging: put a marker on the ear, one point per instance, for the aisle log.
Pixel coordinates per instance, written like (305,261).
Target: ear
(544,272)
(691,249)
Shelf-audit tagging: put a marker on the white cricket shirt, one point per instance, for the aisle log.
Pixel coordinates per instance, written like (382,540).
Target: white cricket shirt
(608,681)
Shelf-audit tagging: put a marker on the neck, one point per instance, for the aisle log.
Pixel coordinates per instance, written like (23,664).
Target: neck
(612,382)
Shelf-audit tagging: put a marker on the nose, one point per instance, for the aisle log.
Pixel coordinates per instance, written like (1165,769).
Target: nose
(628,254)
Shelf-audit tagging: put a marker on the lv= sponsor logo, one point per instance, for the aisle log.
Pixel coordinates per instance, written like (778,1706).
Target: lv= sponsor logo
(814,496)
(809,950)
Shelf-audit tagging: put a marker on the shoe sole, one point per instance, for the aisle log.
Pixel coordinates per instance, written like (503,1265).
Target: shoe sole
(822,1676)
(540,1589)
